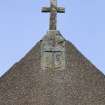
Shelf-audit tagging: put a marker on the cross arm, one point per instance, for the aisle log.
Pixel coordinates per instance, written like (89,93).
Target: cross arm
(61,10)
(48,9)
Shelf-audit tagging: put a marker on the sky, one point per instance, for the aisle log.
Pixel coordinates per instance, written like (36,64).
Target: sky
(22,25)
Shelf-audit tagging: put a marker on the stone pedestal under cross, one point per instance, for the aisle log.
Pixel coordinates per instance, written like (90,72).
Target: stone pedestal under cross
(53,9)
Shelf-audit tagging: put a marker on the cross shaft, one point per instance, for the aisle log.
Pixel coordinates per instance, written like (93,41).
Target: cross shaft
(53,9)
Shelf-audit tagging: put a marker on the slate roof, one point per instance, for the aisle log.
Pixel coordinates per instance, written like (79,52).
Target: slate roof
(81,83)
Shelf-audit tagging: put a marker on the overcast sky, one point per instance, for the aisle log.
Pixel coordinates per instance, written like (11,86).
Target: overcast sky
(22,25)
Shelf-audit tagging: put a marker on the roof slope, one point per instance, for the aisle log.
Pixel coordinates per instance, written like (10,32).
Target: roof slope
(79,83)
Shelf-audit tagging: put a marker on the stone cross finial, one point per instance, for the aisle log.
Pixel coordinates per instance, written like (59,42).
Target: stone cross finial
(53,13)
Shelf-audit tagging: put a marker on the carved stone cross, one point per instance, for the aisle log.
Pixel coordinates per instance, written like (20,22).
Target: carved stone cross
(53,9)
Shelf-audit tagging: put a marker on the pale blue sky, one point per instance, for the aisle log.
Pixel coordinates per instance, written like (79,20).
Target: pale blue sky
(22,25)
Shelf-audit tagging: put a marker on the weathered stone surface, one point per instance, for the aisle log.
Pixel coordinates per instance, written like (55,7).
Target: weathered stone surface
(53,51)
(53,9)
(26,83)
